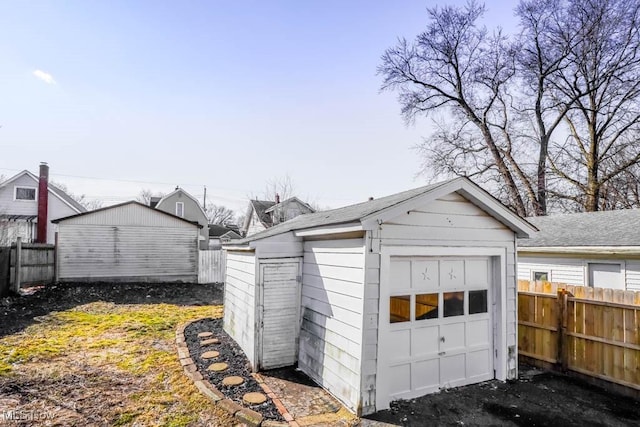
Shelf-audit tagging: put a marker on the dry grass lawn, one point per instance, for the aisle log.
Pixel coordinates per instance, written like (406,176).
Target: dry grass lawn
(102,363)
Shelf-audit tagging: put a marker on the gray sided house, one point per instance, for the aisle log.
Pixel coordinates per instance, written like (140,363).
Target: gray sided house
(21,205)
(388,299)
(263,214)
(129,242)
(184,205)
(600,249)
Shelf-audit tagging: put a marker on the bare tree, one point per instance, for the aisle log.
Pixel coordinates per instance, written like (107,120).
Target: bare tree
(218,214)
(604,77)
(283,186)
(89,204)
(146,194)
(500,103)
(456,67)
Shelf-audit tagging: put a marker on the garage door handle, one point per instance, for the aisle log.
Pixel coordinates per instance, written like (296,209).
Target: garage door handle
(441,339)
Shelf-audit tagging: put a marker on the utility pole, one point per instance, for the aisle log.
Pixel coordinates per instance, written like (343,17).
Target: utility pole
(204,206)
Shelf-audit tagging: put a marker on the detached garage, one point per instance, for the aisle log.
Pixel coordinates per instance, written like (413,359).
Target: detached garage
(127,242)
(388,299)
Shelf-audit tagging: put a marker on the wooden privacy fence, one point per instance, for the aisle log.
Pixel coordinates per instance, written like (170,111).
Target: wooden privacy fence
(211,266)
(592,331)
(25,264)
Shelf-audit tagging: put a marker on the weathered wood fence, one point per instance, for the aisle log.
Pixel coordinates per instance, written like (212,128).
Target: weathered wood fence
(26,264)
(211,266)
(591,331)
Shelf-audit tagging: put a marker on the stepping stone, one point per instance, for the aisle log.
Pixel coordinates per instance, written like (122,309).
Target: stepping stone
(210,341)
(205,334)
(232,381)
(218,367)
(210,354)
(254,398)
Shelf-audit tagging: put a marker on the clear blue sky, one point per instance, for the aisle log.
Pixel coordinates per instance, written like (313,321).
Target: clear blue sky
(223,94)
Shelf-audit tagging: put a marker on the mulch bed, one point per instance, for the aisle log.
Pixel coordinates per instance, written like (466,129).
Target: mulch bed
(231,354)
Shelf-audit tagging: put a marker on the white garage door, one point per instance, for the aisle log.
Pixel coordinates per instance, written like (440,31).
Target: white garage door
(435,325)
(280,312)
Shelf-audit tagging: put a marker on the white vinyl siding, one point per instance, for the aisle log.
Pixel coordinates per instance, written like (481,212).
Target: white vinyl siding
(574,271)
(332,306)
(632,270)
(561,270)
(240,301)
(450,221)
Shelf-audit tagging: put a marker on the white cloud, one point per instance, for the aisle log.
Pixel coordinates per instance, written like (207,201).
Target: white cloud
(45,77)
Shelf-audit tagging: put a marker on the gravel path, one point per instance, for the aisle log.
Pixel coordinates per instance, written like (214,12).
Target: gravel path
(238,363)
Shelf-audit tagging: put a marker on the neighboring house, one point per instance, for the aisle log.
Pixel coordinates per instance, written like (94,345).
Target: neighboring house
(27,212)
(600,249)
(128,242)
(388,299)
(184,205)
(219,234)
(263,214)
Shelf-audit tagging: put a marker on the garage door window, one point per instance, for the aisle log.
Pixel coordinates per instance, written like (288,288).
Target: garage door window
(426,306)
(453,304)
(400,309)
(477,302)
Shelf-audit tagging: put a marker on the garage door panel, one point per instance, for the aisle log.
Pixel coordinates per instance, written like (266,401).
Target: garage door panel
(451,273)
(476,272)
(478,363)
(400,342)
(400,274)
(454,337)
(425,275)
(478,333)
(400,379)
(424,341)
(426,375)
(452,370)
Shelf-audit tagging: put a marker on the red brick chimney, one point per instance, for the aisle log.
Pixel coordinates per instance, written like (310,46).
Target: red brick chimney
(43,203)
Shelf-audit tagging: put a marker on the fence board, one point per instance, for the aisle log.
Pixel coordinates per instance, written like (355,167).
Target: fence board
(597,334)
(211,266)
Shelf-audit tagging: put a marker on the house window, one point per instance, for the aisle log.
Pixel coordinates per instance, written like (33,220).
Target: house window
(25,193)
(180,209)
(540,276)
(453,303)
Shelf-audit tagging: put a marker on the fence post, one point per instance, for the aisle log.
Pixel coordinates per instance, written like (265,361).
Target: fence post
(18,268)
(562,328)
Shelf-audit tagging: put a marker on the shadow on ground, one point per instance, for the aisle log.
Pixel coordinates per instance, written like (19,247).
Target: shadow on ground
(537,399)
(18,312)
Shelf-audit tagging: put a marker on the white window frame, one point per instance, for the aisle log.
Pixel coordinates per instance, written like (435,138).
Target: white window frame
(181,205)
(540,270)
(15,193)
(623,270)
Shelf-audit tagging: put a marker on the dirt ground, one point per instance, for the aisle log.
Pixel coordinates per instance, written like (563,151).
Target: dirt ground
(102,355)
(537,399)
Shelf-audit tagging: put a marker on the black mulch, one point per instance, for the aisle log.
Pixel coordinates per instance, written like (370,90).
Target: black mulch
(231,354)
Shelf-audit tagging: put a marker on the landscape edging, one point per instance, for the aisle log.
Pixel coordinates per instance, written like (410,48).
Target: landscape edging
(216,396)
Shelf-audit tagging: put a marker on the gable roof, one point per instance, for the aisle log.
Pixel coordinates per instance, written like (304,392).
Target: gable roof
(217,230)
(135,202)
(289,200)
(53,189)
(260,208)
(180,190)
(604,228)
(231,234)
(385,206)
